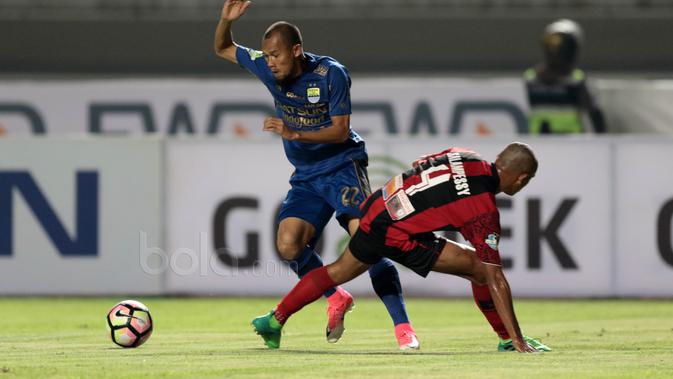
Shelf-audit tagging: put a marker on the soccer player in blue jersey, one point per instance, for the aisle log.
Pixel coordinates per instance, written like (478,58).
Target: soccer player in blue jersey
(313,107)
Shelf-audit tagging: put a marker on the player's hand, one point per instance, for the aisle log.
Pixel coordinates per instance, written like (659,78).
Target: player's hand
(233,9)
(522,346)
(276,125)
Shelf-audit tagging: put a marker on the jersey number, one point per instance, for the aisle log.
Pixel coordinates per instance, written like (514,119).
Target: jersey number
(396,198)
(349,196)
(427,181)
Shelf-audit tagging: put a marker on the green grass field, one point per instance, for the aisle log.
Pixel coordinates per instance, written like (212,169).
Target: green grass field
(212,338)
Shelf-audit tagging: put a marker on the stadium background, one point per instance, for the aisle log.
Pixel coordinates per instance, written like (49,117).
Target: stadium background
(131,160)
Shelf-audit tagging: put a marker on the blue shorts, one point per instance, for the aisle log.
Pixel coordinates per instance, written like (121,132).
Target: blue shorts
(316,200)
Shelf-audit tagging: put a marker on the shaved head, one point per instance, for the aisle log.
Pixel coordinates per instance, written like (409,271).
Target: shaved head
(283,52)
(517,158)
(287,32)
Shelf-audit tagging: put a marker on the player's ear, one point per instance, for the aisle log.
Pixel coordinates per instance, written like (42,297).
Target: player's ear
(297,51)
(523,179)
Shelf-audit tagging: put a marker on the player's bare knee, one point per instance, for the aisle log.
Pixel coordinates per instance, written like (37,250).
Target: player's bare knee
(289,246)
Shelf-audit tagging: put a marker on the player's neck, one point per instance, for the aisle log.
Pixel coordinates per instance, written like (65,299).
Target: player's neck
(500,173)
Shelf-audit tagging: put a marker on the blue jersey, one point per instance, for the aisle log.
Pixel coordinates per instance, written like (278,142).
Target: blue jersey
(322,91)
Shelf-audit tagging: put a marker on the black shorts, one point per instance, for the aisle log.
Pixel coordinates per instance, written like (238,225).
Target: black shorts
(420,258)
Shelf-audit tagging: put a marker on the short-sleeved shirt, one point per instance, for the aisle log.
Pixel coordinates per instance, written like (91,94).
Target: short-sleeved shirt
(451,190)
(307,104)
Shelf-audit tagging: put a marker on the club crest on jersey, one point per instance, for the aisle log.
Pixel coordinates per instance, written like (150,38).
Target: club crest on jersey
(313,94)
(492,241)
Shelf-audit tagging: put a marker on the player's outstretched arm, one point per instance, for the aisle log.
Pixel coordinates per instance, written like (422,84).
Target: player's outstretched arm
(502,297)
(338,132)
(232,10)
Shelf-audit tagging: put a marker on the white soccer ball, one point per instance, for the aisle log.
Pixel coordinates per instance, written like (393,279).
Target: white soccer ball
(130,323)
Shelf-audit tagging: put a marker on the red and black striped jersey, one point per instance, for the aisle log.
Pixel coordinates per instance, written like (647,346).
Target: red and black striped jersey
(451,190)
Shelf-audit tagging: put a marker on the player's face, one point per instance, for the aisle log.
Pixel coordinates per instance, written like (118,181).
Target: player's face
(281,59)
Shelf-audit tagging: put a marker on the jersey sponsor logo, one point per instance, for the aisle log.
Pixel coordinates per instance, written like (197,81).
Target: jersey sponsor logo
(313,94)
(392,186)
(399,206)
(292,95)
(396,200)
(308,116)
(321,70)
(459,178)
(492,241)
(316,110)
(298,122)
(254,54)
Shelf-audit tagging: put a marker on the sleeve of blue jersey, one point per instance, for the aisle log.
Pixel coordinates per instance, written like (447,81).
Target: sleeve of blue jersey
(339,91)
(252,60)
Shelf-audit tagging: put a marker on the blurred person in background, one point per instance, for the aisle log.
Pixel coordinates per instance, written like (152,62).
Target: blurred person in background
(559,100)
(313,107)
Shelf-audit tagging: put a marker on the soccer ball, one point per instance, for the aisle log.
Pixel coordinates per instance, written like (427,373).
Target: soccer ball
(130,323)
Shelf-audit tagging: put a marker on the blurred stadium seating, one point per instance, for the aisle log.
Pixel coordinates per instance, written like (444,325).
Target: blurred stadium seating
(141,37)
(203,9)
(476,38)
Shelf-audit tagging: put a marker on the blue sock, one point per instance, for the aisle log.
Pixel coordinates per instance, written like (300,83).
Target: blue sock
(306,262)
(386,283)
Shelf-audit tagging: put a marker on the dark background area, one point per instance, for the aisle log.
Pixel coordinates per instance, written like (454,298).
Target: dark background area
(157,38)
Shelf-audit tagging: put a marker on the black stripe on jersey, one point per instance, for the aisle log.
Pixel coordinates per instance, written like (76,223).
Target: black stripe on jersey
(446,193)
(369,201)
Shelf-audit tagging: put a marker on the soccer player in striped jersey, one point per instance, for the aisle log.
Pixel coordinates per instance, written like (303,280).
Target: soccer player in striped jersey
(313,107)
(451,190)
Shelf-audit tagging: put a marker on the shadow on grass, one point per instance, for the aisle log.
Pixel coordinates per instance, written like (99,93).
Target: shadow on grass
(263,350)
(399,353)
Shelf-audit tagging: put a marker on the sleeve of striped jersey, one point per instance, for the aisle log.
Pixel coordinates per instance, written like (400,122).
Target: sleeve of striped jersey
(483,232)
(424,158)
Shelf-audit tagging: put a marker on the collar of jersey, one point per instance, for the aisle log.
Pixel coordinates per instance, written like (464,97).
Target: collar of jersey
(496,178)
(311,62)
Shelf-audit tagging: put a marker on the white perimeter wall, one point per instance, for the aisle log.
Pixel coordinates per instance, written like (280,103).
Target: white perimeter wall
(596,221)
